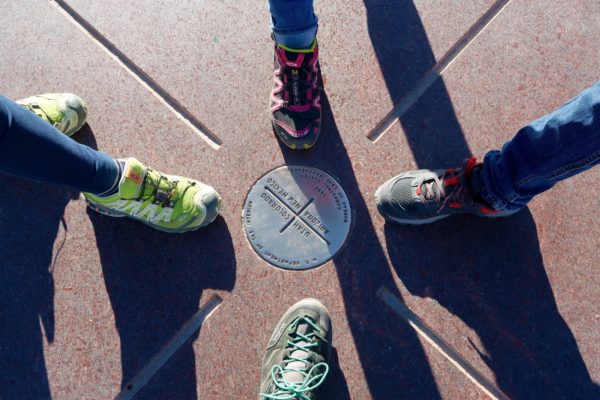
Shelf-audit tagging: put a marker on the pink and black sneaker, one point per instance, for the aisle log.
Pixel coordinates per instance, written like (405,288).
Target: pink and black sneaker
(296,96)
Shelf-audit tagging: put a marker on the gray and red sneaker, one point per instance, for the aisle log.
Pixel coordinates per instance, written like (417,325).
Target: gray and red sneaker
(424,196)
(296,95)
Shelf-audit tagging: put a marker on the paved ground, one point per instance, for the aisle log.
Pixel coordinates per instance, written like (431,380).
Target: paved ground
(86,302)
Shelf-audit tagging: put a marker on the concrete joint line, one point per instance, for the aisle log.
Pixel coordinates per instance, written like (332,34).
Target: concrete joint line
(139,74)
(440,345)
(161,358)
(437,70)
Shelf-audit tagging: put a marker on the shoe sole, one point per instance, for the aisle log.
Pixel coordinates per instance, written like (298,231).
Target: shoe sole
(117,214)
(425,221)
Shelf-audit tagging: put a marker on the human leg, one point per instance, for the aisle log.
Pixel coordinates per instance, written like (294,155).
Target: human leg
(548,150)
(293,22)
(296,94)
(555,147)
(32,148)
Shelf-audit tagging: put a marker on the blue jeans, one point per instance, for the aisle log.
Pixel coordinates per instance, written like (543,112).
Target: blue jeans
(32,148)
(293,22)
(548,150)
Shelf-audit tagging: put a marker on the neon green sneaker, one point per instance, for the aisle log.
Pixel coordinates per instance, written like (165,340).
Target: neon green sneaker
(65,111)
(165,202)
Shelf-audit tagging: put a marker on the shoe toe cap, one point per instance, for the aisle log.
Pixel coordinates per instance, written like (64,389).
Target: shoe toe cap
(73,104)
(210,202)
(395,196)
(76,104)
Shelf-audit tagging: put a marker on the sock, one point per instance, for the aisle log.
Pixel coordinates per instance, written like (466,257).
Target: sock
(115,187)
(297,41)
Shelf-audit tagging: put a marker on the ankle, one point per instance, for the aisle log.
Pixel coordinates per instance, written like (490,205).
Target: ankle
(115,186)
(475,185)
(301,41)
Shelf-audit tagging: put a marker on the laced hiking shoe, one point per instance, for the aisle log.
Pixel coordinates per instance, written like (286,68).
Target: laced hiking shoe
(424,196)
(165,202)
(296,96)
(296,361)
(65,111)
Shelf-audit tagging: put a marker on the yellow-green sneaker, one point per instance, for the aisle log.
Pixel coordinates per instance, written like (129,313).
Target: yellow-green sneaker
(165,202)
(65,111)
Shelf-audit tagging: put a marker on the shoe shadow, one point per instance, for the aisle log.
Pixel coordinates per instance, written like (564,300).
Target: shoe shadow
(86,137)
(391,356)
(335,387)
(31,215)
(490,274)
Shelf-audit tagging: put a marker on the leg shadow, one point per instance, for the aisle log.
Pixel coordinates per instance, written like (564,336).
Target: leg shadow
(30,216)
(392,358)
(154,282)
(336,387)
(490,274)
(405,55)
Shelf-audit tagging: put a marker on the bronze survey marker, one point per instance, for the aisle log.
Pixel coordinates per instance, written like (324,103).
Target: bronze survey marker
(296,217)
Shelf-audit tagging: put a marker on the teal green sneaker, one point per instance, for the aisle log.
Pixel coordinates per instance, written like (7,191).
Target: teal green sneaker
(65,111)
(165,202)
(296,361)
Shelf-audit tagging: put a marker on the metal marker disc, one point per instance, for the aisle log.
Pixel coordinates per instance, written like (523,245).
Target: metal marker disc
(296,217)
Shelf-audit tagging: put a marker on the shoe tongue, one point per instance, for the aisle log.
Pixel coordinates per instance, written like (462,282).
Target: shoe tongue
(474,181)
(132,179)
(293,376)
(293,58)
(430,189)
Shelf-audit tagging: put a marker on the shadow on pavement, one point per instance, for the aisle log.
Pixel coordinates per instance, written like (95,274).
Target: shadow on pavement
(30,218)
(154,281)
(404,55)
(336,387)
(392,357)
(489,273)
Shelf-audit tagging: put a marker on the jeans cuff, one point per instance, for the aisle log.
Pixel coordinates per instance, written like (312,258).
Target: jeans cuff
(496,203)
(296,40)
(106,172)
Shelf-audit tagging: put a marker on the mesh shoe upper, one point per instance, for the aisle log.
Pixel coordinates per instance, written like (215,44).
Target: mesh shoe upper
(165,202)
(423,196)
(296,360)
(65,111)
(295,99)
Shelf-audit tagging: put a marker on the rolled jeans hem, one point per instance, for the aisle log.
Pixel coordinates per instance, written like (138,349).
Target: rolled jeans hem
(299,39)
